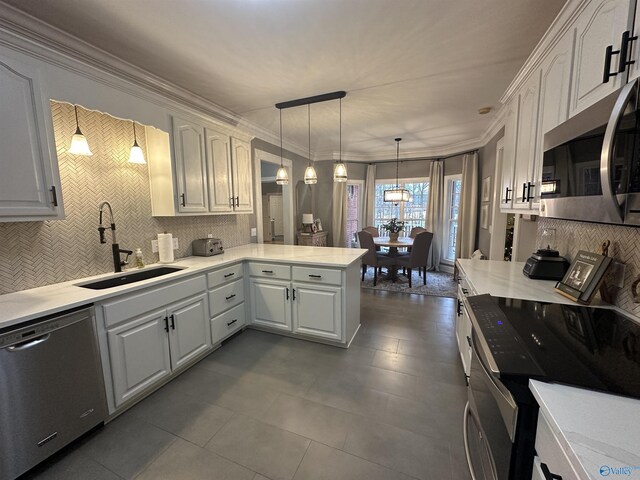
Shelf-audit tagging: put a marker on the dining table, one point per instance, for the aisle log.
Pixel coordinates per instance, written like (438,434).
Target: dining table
(393,245)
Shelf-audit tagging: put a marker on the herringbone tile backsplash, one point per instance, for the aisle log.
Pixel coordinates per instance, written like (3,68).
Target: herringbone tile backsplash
(625,247)
(33,254)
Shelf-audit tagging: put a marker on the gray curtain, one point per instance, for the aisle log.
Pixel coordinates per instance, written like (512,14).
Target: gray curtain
(370,196)
(435,213)
(468,212)
(339,222)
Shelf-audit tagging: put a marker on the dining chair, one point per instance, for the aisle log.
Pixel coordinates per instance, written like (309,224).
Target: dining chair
(371,258)
(414,231)
(418,256)
(374,233)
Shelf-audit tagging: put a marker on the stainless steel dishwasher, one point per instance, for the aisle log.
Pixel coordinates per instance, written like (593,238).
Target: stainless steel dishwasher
(51,388)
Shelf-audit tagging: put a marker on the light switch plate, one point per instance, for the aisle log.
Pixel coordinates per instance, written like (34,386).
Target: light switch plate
(176,245)
(254,232)
(154,246)
(209,235)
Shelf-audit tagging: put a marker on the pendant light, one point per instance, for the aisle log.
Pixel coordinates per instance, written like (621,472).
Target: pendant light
(136,155)
(79,145)
(340,170)
(397,195)
(282,177)
(310,176)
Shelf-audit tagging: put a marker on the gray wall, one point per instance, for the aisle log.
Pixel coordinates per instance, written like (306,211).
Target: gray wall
(486,168)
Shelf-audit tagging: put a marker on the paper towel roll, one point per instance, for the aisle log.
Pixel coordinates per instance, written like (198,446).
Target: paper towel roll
(165,247)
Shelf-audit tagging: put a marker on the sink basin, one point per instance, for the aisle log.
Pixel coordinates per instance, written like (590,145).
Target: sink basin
(129,277)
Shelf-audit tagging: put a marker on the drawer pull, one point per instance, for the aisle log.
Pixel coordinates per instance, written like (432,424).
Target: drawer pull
(547,474)
(315,276)
(230,296)
(459,309)
(267,271)
(229,274)
(232,322)
(465,291)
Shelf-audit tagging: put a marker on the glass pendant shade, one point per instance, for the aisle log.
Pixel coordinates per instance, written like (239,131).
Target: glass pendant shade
(396,195)
(136,155)
(282,177)
(310,176)
(340,173)
(79,145)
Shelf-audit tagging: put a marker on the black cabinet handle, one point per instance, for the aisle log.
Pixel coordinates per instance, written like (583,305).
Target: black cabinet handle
(294,294)
(232,322)
(173,322)
(608,53)
(459,309)
(524,192)
(237,201)
(547,474)
(230,296)
(469,341)
(465,291)
(506,195)
(287,293)
(183,200)
(231,202)
(624,51)
(315,276)
(166,324)
(267,271)
(229,274)
(530,186)
(54,195)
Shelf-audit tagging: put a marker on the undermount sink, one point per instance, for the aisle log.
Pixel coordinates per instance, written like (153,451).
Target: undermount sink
(127,277)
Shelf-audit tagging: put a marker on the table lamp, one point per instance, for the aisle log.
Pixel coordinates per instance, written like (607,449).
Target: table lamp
(307,221)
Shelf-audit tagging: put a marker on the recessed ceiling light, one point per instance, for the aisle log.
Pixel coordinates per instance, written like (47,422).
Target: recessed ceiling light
(484,110)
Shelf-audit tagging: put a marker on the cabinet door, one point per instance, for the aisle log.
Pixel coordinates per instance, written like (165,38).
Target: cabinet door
(219,161)
(600,24)
(191,166)
(317,311)
(270,303)
(189,330)
(139,355)
(29,178)
(508,159)
(242,178)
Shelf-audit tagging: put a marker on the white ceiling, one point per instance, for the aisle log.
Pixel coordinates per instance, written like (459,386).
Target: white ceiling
(419,69)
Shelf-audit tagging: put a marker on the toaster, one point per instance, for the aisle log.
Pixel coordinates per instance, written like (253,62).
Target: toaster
(206,247)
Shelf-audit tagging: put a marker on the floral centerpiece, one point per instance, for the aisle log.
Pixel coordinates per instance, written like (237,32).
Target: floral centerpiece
(394,227)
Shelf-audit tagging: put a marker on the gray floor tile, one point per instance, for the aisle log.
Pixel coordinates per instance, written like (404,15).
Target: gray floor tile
(182,415)
(387,344)
(392,382)
(187,461)
(401,450)
(71,465)
(260,477)
(444,352)
(127,445)
(263,448)
(313,420)
(325,463)
(346,395)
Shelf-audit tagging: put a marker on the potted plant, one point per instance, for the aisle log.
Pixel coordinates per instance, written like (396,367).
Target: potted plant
(394,227)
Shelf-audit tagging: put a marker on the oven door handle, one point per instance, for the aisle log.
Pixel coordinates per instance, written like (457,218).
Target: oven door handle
(627,95)
(465,435)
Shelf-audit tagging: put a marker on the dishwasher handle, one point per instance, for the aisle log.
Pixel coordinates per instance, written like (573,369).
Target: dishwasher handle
(29,343)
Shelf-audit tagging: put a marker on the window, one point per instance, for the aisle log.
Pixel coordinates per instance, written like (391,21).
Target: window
(354,211)
(452,206)
(413,212)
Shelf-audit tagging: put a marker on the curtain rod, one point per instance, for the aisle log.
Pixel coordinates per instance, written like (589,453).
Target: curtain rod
(426,159)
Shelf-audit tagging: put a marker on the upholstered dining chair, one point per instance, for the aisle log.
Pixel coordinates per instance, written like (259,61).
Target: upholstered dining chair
(371,258)
(374,233)
(412,234)
(418,256)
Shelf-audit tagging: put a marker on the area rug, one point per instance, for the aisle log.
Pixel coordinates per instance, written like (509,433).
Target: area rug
(439,284)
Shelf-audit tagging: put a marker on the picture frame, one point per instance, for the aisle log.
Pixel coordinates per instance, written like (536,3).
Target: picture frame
(484,216)
(486,189)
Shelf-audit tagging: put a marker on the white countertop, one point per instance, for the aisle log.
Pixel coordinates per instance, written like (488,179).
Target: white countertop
(595,429)
(26,305)
(505,279)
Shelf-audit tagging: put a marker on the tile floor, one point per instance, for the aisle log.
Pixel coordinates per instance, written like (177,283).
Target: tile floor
(270,407)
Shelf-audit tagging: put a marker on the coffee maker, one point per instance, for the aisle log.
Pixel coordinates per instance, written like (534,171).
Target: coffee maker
(546,263)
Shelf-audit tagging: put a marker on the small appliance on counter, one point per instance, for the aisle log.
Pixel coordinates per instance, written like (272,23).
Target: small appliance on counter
(546,263)
(207,247)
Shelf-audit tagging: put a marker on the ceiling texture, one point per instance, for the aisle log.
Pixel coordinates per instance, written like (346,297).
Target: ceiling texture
(418,69)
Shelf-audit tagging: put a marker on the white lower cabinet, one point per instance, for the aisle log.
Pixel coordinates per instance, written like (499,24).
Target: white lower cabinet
(227,323)
(188,330)
(270,303)
(317,310)
(226,302)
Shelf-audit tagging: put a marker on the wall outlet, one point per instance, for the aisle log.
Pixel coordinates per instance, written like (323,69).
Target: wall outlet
(154,246)
(209,235)
(176,245)
(254,232)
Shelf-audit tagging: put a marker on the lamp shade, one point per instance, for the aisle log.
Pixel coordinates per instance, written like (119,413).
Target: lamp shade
(396,195)
(340,173)
(307,218)
(136,155)
(79,145)
(282,177)
(310,176)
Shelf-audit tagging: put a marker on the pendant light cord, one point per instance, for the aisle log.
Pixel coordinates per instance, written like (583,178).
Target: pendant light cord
(309,123)
(340,148)
(280,138)
(135,139)
(397,162)
(75,107)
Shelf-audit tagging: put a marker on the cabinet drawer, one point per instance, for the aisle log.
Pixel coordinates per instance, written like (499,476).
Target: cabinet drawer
(227,274)
(270,270)
(226,296)
(317,275)
(550,452)
(227,323)
(129,306)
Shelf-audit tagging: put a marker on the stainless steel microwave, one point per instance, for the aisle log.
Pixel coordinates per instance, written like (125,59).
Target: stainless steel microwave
(591,163)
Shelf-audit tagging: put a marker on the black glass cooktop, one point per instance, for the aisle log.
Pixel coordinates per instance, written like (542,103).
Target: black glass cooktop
(591,347)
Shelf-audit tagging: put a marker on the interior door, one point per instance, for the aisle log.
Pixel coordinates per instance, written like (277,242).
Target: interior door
(275,214)
(191,166)
(219,166)
(189,330)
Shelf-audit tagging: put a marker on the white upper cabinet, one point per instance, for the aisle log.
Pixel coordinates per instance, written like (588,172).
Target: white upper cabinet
(29,179)
(242,178)
(526,142)
(509,156)
(601,24)
(191,166)
(219,159)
